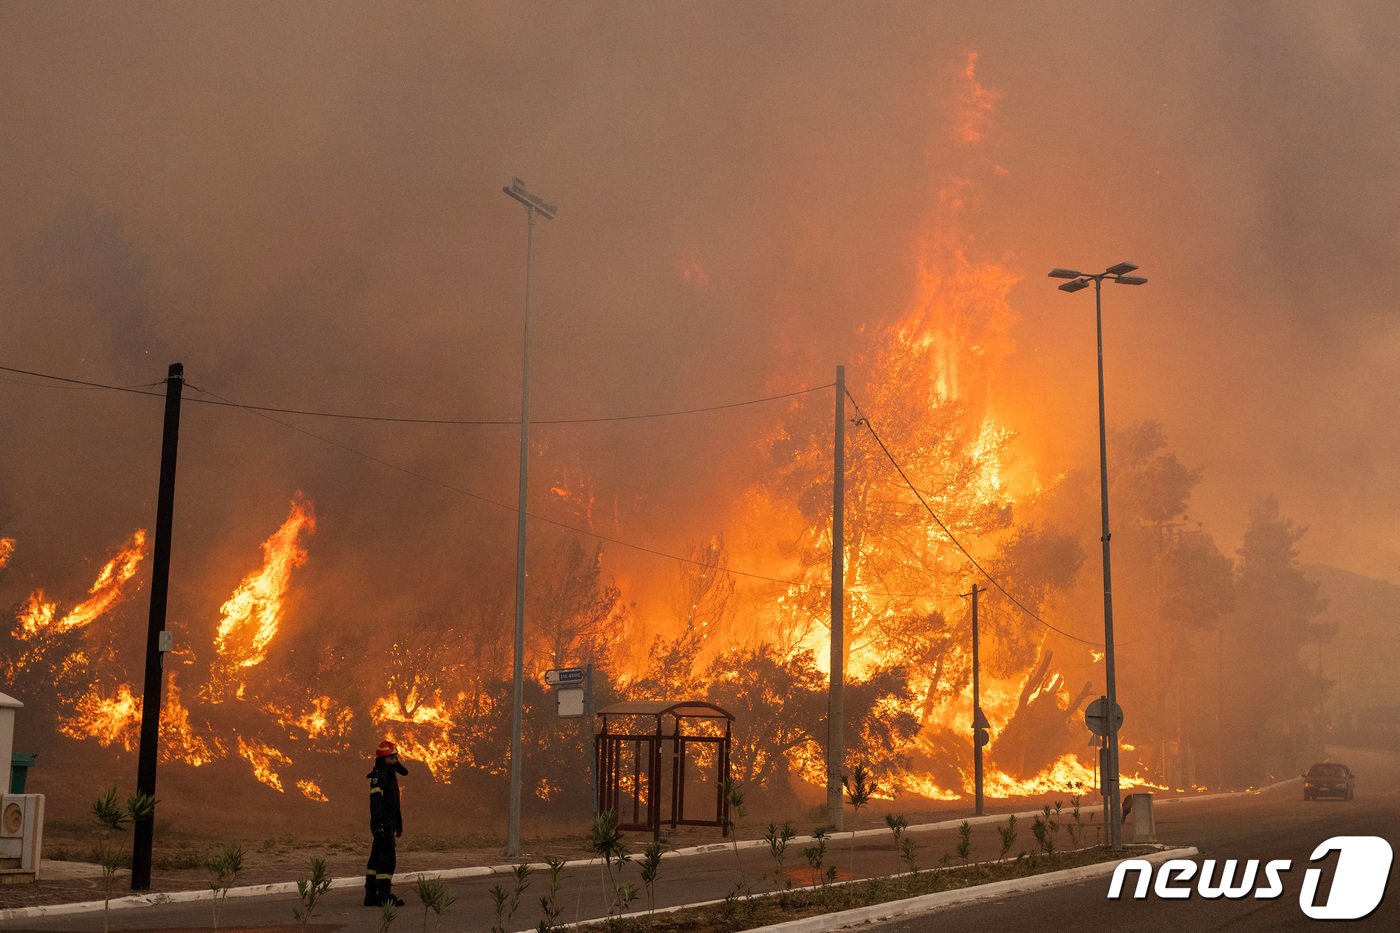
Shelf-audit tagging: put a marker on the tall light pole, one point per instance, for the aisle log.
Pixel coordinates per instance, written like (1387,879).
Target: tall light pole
(533,206)
(1081,280)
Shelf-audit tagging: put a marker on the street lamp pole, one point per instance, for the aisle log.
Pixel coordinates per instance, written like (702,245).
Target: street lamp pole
(1079,280)
(533,206)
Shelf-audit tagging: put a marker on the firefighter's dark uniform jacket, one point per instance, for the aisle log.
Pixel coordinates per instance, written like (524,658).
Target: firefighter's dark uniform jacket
(384,813)
(385,822)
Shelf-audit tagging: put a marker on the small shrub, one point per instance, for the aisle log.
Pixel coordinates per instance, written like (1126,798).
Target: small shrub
(435,897)
(905,844)
(816,854)
(734,796)
(859,789)
(224,866)
(778,839)
(310,891)
(965,841)
(549,903)
(606,840)
(1008,836)
(1045,829)
(387,912)
(651,864)
(112,817)
(1076,825)
(507,901)
(623,896)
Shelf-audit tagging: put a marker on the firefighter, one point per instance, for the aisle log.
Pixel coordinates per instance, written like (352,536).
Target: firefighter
(386,823)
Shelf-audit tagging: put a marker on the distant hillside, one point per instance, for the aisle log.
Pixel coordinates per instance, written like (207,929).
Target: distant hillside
(1364,657)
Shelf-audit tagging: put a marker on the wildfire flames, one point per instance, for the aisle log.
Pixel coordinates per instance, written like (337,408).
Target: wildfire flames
(250,618)
(248,625)
(40,615)
(931,378)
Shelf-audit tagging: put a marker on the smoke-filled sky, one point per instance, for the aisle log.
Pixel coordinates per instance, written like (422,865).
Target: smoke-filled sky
(301,202)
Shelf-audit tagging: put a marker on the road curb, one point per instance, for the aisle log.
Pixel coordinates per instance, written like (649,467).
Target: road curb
(289,887)
(925,903)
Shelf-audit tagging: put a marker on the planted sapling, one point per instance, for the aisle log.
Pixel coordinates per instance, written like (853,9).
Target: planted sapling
(507,901)
(1008,836)
(965,842)
(651,864)
(549,903)
(435,897)
(224,866)
(859,789)
(310,891)
(734,799)
(905,844)
(111,817)
(816,854)
(778,839)
(387,912)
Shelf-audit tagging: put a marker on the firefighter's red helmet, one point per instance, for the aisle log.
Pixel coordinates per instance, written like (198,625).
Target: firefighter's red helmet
(385,749)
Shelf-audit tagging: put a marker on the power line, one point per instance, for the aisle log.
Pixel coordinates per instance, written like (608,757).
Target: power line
(348,416)
(266,412)
(145,388)
(953,538)
(500,505)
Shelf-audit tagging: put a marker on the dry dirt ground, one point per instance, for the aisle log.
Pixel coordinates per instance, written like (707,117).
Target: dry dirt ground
(74,876)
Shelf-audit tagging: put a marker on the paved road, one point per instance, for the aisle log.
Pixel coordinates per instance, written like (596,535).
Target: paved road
(1274,825)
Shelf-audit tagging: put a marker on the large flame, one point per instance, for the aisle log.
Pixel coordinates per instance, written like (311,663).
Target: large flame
(265,759)
(423,732)
(249,619)
(39,614)
(110,714)
(111,719)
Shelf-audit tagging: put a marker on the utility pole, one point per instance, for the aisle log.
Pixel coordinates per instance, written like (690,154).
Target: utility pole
(533,206)
(835,711)
(979,722)
(143,830)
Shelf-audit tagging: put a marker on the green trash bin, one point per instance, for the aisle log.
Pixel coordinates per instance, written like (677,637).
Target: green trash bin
(20,763)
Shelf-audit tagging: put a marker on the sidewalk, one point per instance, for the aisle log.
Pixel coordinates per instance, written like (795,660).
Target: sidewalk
(81,883)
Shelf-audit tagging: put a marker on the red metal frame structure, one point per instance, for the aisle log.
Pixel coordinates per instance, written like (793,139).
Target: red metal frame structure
(646,774)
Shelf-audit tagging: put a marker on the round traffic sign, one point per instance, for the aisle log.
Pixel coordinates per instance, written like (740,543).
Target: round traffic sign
(1096,716)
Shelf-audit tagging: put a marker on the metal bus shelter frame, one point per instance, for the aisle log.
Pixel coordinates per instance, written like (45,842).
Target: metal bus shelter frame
(647,750)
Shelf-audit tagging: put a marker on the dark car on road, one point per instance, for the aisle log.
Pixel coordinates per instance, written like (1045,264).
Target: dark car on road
(1329,779)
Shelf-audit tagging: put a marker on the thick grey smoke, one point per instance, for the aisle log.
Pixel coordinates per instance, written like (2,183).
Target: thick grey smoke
(302,204)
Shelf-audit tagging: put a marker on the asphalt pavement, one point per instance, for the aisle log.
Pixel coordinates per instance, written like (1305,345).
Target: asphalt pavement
(1272,823)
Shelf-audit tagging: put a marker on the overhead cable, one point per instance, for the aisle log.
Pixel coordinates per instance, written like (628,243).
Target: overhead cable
(347,416)
(954,539)
(500,505)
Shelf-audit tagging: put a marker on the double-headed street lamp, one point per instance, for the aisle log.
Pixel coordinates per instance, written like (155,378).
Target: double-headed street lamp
(533,206)
(1081,280)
